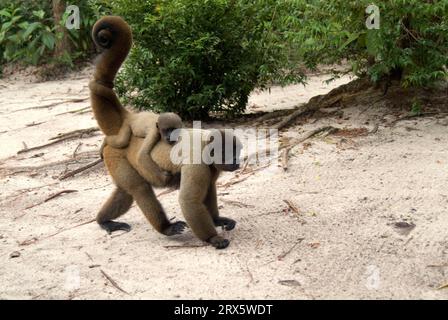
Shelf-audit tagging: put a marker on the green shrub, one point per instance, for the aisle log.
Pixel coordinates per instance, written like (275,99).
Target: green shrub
(412,40)
(28,32)
(194,57)
(22,39)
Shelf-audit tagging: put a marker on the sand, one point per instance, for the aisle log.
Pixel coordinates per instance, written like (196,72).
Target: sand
(369,218)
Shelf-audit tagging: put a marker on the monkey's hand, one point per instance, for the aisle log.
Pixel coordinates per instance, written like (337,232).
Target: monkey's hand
(226,223)
(218,242)
(175,228)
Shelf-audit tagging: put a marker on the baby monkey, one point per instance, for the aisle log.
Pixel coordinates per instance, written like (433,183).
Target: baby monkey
(152,128)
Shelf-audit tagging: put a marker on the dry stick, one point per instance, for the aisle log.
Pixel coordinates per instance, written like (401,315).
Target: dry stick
(22,191)
(52,104)
(292,206)
(76,149)
(48,199)
(230,183)
(75,133)
(61,138)
(25,149)
(79,170)
(444,286)
(295,142)
(60,231)
(237,203)
(75,111)
(375,129)
(412,116)
(309,135)
(48,165)
(250,274)
(301,110)
(33,124)
(269,116)
(283,255)
(112,281)
(185,246)
(284,155)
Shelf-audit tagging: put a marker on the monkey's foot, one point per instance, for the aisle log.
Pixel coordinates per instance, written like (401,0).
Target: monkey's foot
(226,223)
(175,228)
(219,242)
(111,226)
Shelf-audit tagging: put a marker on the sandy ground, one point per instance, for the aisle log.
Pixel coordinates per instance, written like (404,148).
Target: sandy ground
(371,215)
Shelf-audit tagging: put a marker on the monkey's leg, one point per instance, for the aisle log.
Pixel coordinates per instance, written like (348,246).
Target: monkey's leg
(211,202)
(151,169)
(193,192)
(117,204)
(153,211)
(131,182)
(121,140)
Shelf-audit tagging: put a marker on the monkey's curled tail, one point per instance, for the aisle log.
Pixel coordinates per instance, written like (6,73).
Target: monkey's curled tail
(113,37)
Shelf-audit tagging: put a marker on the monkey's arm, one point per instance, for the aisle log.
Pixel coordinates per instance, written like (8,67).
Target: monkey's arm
(121,140)
(146,162)
(194,185)
(211,202)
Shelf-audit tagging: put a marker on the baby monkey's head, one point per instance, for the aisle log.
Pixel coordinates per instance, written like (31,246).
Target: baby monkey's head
(167,123)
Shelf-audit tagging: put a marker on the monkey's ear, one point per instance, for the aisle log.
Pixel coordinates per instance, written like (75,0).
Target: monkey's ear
(157,125)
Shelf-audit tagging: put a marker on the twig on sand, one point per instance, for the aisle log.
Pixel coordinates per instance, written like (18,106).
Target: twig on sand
(78,111)
(297,113)
(285,154)
(60,138)
(283,255)
(22,191)
(235,181)
(336,95)
(270,115)
(292,206)
(327,129)
(48,199)
(77,100)
(59,193)
(34,240)
(112,281)
(236,203)
(76,149)
(79,170)
(185,246)
(444,286)
(75,133)
(413,116)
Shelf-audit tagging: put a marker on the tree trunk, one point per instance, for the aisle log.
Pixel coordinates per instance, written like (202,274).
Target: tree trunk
(62,43)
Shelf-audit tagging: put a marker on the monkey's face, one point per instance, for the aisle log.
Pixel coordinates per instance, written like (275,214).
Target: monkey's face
(167,135)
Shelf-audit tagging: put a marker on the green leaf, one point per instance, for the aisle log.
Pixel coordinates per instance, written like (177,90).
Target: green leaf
(33,26)
(5,13)
(351,38)
(39,13)
(48,40)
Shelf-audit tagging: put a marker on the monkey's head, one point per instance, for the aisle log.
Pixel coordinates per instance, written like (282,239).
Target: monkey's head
(230,152)
(167,123)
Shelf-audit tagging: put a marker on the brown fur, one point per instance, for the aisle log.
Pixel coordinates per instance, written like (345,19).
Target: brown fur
(152,127)
(197,198)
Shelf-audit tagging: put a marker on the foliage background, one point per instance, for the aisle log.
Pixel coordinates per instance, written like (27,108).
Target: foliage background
(202,57)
